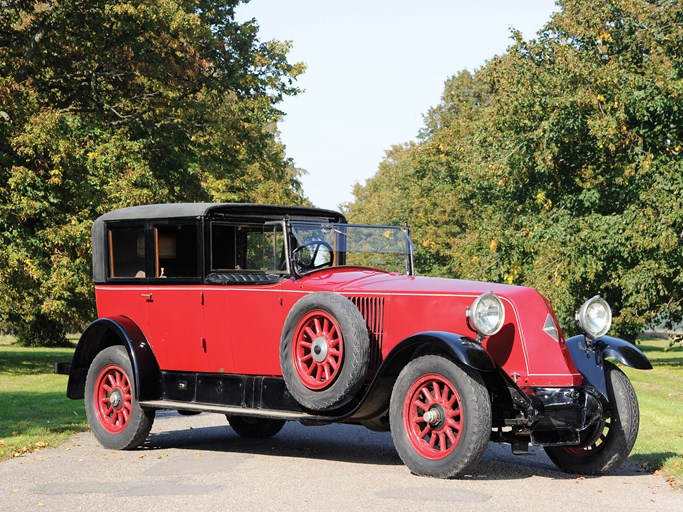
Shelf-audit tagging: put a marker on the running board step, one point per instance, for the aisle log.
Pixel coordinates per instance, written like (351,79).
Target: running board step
(239,411)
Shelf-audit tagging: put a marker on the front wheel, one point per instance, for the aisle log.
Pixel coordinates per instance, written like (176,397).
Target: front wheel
(619,432)
(114,414)
(440,417)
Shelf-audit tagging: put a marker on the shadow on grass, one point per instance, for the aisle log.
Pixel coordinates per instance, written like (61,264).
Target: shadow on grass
(654,461)
(32,361)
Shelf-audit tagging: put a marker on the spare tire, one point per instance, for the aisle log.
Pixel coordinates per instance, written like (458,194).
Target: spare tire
(324,351)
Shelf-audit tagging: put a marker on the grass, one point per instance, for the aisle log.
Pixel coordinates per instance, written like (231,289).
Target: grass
(35,412)
(660,394)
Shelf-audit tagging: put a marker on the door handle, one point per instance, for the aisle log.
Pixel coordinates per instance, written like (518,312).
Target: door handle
(148,296)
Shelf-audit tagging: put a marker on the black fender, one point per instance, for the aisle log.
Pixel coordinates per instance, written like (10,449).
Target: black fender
(588,359)
(461,348)
(464,349)
(106,332)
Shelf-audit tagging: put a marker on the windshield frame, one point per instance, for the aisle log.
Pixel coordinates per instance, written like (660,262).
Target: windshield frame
(290,228)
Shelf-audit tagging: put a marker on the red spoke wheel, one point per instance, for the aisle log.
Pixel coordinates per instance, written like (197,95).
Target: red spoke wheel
(318,349)
(440,417)
(324,351)
(433,416)
(617,436)
(113,399)
(115,416)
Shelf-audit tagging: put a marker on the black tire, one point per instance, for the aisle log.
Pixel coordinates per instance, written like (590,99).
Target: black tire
(338,351)
(188,412)
(114,413)
(255,428)
(445,389)
(619,432)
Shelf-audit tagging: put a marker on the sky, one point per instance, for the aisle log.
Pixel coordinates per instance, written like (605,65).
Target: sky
(374,68)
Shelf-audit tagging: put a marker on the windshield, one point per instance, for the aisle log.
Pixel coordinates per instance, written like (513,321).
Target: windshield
(317,245)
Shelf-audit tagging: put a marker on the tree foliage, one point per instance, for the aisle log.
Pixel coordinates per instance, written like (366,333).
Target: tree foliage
(556,165)
(111,104)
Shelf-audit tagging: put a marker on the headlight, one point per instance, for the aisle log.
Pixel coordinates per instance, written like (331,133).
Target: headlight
(595,317)
(486,314)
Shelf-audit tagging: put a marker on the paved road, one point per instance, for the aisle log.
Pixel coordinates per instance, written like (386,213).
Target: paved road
(198,463)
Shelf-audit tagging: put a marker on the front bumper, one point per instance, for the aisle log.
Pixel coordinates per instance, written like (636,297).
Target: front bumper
(566,416)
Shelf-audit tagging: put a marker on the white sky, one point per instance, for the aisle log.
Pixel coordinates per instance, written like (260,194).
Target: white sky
(374,68)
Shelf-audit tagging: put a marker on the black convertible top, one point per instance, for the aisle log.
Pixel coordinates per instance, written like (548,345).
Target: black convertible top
(233,211)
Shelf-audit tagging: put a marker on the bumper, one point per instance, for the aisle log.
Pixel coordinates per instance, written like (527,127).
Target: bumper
(566,415)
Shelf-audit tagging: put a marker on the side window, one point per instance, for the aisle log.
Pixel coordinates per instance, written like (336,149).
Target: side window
(175,251)
(246,247)
(127,252)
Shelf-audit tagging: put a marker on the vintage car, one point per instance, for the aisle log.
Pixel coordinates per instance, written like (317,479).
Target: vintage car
(270,314)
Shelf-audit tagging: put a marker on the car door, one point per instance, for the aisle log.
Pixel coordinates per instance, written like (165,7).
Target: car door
(175,300)
(243,307)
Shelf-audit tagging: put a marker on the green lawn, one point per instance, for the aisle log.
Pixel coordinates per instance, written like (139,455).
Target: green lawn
(660,395)
(35,412)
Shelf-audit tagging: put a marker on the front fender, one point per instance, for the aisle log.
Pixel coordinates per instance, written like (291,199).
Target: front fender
(589,360)
(463,349)
(106,332)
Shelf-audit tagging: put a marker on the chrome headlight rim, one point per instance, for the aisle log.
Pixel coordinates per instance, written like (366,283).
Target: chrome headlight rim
(475,314)
(586,321)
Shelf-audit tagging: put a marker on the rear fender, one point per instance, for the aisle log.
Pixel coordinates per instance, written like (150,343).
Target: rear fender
(588,359)
(107,332)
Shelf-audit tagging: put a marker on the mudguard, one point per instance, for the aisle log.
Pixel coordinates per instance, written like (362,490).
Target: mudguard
(465,350)
(106,332)
(588,360)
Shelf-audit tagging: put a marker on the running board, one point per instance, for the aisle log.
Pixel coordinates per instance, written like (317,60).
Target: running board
(239,411)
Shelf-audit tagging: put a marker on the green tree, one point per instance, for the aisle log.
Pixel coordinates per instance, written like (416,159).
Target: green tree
(111,104)
(557,165)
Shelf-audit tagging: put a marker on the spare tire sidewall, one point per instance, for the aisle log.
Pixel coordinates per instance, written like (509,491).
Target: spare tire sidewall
(356,351)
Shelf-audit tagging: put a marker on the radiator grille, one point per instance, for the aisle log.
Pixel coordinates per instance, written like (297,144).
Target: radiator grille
(372,310)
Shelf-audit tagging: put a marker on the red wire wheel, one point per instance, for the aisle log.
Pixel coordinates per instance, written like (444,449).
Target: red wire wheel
(113,399)
(317,350)
(433,416)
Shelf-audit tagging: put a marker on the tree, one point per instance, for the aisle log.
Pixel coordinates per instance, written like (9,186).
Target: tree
(557,165)
(111,104)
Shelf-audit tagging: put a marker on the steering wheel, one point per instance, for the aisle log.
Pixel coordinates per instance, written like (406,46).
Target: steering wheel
(304,256)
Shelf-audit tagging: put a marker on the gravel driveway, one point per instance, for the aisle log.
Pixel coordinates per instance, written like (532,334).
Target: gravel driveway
(198,463)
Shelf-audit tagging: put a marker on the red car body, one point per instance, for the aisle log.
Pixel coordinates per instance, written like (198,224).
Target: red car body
(186,322)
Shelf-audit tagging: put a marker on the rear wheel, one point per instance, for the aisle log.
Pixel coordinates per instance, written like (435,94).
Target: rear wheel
(114,414)
(619,432)
(440,417)
(255,428)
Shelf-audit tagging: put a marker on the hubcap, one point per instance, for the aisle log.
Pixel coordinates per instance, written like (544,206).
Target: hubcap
(319,350)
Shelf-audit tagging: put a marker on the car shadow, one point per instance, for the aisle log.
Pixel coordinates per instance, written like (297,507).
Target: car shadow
(358,445)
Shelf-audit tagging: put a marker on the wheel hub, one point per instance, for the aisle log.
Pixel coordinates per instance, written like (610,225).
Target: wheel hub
(116,398)
(319,349)
(433,417)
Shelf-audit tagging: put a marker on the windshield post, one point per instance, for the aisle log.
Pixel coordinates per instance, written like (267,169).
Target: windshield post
(410,269)
(285,234)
